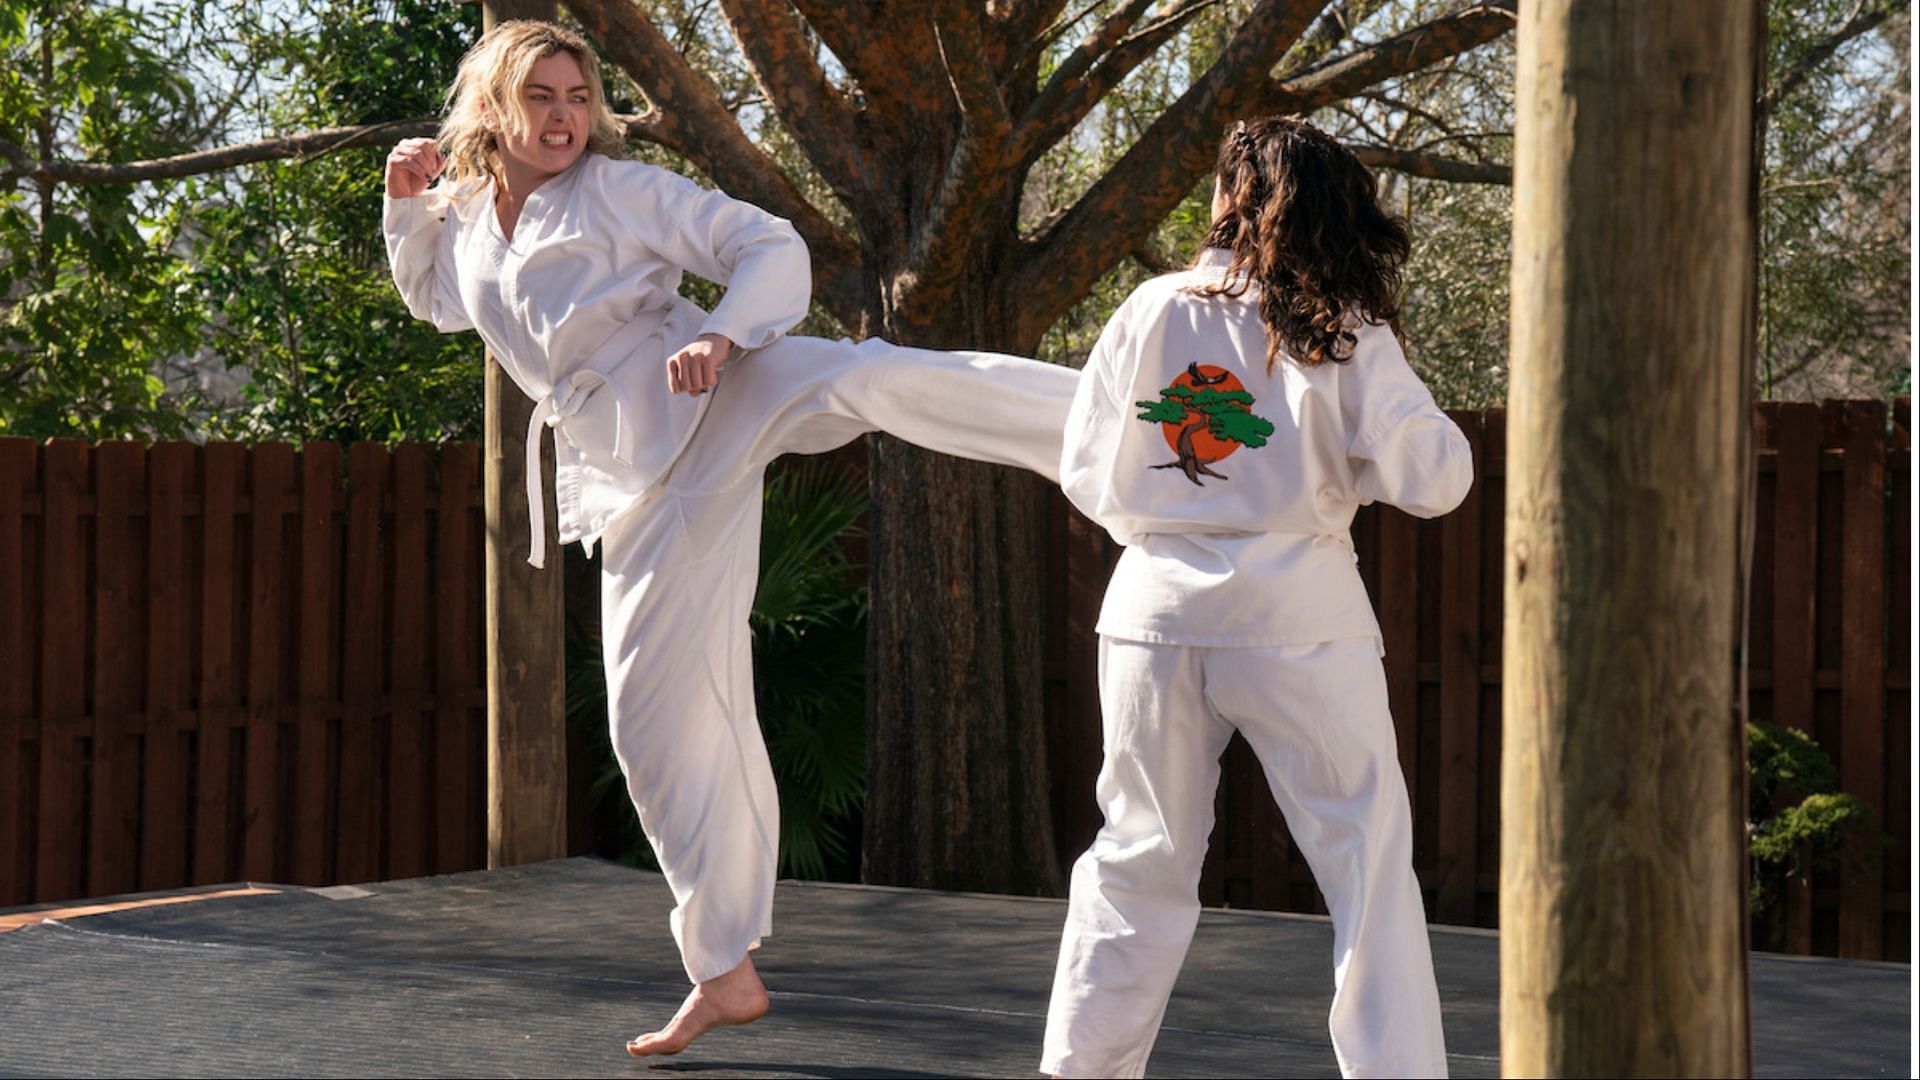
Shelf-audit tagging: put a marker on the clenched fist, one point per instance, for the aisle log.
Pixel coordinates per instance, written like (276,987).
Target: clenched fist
(694,369)
(413,165)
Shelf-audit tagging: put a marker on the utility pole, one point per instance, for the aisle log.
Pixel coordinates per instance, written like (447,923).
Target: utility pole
(526,659)
(1622,900)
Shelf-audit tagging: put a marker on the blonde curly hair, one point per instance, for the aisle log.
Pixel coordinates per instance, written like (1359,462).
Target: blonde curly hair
(490,80)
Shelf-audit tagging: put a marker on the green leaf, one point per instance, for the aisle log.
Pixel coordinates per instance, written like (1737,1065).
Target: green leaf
(1164,411)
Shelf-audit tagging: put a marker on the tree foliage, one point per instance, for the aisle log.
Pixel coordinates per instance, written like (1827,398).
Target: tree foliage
(1835,220)
(252,303)
(88,282)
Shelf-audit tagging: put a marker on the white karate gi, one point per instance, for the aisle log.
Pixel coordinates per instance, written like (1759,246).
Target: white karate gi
(1238,605)
(582,309)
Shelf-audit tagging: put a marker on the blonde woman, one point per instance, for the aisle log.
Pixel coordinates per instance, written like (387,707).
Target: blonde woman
(567,260)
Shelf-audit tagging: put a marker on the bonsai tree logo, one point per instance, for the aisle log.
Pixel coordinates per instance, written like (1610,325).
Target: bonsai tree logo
(1206,415)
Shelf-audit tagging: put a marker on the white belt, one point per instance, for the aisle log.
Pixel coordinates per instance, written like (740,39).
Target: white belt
(567,398)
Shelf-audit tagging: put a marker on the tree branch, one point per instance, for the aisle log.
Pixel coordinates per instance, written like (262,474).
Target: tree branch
(308,145)
(976,182)
(1065,99)
(870,59)
(1333,28)
(1803,69)
(1046,123)
(1410,50)
(1129,202)
(1030,25)
(692,116)
(1433,166)
(809,105)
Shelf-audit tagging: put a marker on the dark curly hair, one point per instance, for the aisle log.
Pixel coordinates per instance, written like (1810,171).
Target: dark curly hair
(1304,223)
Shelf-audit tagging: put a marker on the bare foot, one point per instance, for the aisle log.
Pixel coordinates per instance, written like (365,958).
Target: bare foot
(738,997)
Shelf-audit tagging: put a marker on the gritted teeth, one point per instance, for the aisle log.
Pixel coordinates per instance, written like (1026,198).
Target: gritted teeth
(557,138)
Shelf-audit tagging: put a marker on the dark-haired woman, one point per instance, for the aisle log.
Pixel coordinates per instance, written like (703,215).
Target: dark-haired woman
(1229,422)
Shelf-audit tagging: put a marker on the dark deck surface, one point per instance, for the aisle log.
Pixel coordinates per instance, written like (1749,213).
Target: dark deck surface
(546,970)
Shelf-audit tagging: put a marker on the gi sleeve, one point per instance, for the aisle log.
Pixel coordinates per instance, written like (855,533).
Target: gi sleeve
(758,257)
(1090,443)
(415,230)
(1405,451)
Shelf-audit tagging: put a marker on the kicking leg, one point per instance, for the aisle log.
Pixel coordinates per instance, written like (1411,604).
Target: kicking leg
(809,395)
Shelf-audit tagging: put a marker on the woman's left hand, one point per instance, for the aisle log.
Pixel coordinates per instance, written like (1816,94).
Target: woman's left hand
(695,369)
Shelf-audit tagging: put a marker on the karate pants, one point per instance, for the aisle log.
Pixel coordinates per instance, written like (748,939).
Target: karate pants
(679,575)
(1316,716)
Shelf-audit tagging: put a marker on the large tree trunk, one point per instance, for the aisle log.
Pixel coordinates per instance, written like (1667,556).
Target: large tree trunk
(956,748)
(957,773)
(1622,806)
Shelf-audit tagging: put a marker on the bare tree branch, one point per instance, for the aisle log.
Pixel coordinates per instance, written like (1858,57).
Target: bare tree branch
(1433,166)
(872,57)
(809,105)
(304,146)
(692,117)
(976,182)
(1124,207)
(1333,28)
(310,144)
(1037,41)
(1095,66)
(1803,69)
(963,52)
(1119,62)
(1439,122)
(1411,50)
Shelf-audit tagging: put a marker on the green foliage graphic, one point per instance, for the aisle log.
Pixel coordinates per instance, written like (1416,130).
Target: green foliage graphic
(1201,405)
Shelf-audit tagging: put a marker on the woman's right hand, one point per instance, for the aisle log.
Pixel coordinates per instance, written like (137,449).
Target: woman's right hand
(413,165)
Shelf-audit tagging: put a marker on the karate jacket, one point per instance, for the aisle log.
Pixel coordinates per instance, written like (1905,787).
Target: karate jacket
(1234,488)
(582,309)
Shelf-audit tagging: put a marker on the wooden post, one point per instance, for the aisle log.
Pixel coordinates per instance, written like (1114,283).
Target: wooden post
(1621,893)
(526,692)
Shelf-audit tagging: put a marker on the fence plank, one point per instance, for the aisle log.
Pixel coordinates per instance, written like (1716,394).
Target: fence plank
(1863,672)
(119,618)
(407,780)
(59,873)
(1491,486)
(357,855)
(163,790)
(1795,438)
(454,671)
(17,467)
(1459,780)
(266,856)
(1898,710)
(214,837)
(315,760)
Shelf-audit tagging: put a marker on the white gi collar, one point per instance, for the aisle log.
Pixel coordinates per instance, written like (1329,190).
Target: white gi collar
(1213,259)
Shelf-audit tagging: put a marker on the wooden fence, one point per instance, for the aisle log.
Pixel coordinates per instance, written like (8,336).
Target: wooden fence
(1828,637)
(222,663)
(226,662)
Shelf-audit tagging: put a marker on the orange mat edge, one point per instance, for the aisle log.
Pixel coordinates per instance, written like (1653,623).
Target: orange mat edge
(35,918)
